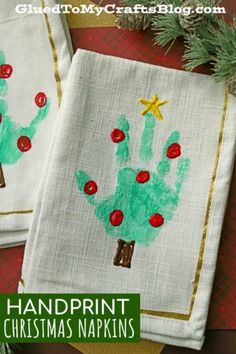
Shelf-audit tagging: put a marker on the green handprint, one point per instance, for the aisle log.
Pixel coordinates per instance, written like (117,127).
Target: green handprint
(15,140)
(142,202)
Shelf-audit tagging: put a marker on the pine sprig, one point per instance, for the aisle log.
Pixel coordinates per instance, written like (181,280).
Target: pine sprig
(196,52)
(225,42)
(200,48)
(166,27)
(214,44)
(207,38)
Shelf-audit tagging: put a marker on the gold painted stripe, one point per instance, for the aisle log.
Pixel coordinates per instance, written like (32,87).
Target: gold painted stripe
(88,20)
(55,57)
(182,316)
(175,315)
(16,212)
(22,282)
(209,203)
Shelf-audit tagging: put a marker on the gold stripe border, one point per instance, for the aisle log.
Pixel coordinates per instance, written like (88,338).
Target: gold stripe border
(54,55)
(183,316)
(2,213)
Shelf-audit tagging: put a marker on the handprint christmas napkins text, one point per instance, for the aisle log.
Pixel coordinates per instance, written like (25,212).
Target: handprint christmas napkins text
(34,64)
(135,192)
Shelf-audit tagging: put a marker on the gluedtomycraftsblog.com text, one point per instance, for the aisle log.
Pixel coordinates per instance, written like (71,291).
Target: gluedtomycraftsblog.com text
(114,9)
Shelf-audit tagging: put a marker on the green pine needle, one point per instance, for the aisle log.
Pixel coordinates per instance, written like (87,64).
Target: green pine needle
(167,29)
(196,53)
(213,42)
(225,41)
(200,47)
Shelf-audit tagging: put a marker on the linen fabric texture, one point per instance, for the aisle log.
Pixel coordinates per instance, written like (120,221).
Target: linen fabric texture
(71,251)
(35,61)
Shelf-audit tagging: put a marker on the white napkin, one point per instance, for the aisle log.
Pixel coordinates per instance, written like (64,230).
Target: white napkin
(128,165)
(34,64)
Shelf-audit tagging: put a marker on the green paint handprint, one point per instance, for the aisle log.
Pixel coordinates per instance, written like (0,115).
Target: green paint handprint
(15,140)
(142,202)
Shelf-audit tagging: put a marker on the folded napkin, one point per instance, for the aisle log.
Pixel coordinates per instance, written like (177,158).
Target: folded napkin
(34,64)
(135,192)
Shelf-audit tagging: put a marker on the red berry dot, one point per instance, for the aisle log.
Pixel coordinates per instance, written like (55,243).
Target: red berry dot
(24,143)
(143,177)
(117,135)
(0,118)
(91,187)
(156,220)
(173,151)
(116,217)
(40,99)
(5,71)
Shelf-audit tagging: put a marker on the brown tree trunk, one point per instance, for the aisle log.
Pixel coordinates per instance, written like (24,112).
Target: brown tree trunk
(2,179)
(124,253)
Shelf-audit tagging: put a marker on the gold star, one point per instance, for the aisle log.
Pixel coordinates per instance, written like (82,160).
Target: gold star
(153,105)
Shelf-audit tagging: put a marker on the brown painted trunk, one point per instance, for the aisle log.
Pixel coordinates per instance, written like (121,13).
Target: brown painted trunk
(2,179)
(124,253)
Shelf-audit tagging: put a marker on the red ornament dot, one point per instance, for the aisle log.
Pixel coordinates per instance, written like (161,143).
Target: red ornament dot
(156,220)
(0,118)
(90,187)
(24,143)
(5,71)
(143,177)
(173,151)
(40,99)
(116,217)
(117,136)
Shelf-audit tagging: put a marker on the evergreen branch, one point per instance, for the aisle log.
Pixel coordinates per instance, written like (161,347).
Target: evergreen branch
(225,42)
(167,29)
(212,40)
(196,52)
(200,47)
(211,18)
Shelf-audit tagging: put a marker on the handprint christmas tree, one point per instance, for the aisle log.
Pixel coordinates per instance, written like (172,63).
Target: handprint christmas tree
(16,140)
(143,203)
